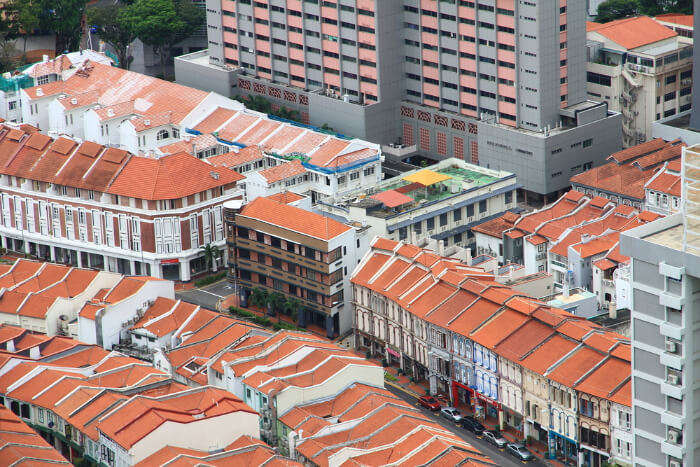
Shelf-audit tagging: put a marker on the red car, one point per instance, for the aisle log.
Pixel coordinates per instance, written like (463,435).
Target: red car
(429,403)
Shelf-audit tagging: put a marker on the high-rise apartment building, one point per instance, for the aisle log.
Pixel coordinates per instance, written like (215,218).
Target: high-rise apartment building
(665,283)
(498,82)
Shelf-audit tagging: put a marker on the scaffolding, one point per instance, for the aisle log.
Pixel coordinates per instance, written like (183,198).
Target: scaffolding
(691,200)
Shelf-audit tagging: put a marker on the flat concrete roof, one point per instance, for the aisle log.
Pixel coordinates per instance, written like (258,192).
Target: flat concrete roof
(671,237)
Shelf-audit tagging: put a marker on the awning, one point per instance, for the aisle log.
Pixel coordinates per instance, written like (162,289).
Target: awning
(604,264)
(393,352)
(426,177)
(169,261)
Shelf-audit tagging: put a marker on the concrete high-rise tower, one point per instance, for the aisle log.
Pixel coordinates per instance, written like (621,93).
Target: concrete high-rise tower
(501,83)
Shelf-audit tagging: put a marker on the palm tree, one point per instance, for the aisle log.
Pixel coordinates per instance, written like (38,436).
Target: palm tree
(292,306)
(275,301)
(259,297)
(211,254)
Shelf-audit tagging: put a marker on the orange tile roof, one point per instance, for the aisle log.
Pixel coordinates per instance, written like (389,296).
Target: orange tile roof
(283,171)
(214,120)
(111,85)
(293,218)
(169,177)
(629,170)
(635,32)
(604,264)
(21,445)
(392,198)
(286,197)
(496,227)
(234,159)
(666,183)
(675,18)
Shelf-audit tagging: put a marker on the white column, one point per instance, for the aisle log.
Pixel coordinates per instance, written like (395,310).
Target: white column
(52,249)
(184,270)
(131,268)
(80,259)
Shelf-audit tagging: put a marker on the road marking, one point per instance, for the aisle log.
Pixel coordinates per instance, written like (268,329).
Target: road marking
(206,291)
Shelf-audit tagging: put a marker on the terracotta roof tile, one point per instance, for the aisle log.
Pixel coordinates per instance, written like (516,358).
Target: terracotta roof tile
(293,218)
(169,177)
(283,171)
(635,32)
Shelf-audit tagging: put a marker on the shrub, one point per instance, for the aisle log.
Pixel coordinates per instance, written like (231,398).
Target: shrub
(390,377)
(210,279)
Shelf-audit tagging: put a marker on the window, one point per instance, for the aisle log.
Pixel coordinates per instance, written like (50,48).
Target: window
(162,134)
(482,207)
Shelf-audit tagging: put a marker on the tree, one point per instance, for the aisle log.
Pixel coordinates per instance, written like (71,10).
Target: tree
(292,306)
(615,9)
(259,296)
(275,301)
(114,28)
(21,17)
(61,17)
(211,254)
(657,7)
(163,23)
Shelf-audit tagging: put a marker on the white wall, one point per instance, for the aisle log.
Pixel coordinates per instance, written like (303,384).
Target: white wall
(112,320)
(207,434)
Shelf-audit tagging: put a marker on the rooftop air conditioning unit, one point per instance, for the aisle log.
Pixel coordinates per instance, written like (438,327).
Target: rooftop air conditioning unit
(671,347)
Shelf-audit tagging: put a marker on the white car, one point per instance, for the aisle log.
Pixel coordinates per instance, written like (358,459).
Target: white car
(496,439)
(451,413)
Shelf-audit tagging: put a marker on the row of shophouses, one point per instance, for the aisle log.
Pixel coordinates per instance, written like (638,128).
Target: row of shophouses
(540,372)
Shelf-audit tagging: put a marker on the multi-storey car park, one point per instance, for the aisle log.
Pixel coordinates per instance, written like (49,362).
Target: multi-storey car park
(499,82)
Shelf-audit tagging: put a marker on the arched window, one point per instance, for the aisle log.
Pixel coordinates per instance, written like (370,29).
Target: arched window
(162,134)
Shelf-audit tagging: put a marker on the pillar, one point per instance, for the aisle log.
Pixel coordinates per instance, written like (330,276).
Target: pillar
(52,249)
(105,262)
(302,318)
(80,258)
(132,269)
(329,326)
(4,242)
(433,384)
(501,420)
(185,271)
(26,247)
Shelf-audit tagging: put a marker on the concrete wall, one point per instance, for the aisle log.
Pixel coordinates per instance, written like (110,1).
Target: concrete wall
(189,71)
(529,154)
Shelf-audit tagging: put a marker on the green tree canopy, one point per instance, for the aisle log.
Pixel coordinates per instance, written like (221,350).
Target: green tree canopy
(63,18)
(114,28)
(163,23)
(615,9)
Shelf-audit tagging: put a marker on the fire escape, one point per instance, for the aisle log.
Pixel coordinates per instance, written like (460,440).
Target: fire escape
(628,98)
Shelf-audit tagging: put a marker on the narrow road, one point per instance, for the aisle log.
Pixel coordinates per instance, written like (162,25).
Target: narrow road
(207,296)
(499,457)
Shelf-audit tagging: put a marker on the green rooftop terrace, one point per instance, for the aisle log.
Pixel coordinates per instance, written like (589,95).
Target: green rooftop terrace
(461,179)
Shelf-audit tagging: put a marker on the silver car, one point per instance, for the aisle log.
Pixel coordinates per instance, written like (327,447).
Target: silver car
(451,413)
(496,439)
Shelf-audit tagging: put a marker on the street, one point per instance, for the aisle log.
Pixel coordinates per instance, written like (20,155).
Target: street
(207,296)
(500,458)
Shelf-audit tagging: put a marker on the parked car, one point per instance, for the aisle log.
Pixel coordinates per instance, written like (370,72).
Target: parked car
(496,439)
(519,451)
(429,403)
(473,425)
(451,413)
